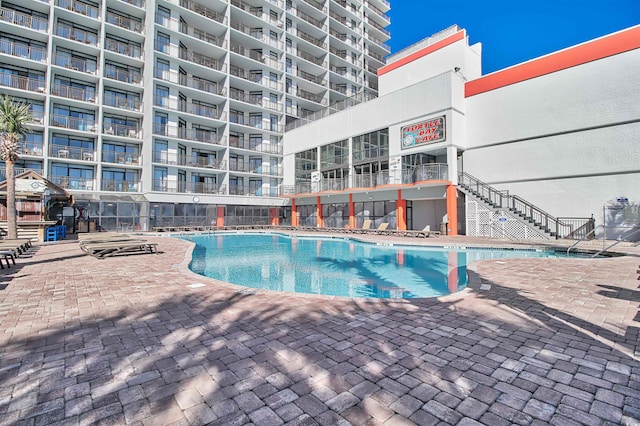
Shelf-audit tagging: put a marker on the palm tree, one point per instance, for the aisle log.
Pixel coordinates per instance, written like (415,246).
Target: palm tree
(14,117)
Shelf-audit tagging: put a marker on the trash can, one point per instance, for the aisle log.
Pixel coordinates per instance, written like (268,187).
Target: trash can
(443,228)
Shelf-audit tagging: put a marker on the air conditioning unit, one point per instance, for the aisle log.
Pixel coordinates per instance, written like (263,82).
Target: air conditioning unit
(280,25)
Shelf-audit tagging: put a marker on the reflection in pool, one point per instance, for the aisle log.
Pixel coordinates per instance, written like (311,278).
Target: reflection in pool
(338,266)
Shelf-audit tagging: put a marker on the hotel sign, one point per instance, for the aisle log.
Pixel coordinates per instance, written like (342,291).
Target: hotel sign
(428,131)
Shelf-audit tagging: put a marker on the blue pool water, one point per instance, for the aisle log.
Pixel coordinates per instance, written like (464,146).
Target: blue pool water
(338,266)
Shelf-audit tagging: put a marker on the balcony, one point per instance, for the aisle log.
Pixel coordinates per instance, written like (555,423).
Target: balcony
(203,10)
(258,35)
(79,7)
(255,77)
(71,152)
(378,12)
(256,11)
(200,59)
(73,123)
(137,3)
(308,37)
(122,130)
(255,122)
(313,97)
(307,56)
(120,186)
(257,100)
(123,22)
(74,183)
(125,76)
(192,82)
(130,50)
(190,108)
(195,135)
(162,185)
(265,148)
(76,64)
(317,5)
(25,51)
(122,103)
(22,83)
(31,148)
(86,95)
(307,76)
(128,158)
(17,171)
(241,50)
(311,20)
(72,33)
(22,19)
(378,27)
(203,162)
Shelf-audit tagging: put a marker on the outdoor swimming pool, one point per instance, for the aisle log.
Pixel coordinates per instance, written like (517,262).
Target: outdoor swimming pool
(338,266)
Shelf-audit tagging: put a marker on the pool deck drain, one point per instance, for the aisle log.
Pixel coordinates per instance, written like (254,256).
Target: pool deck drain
(126,341)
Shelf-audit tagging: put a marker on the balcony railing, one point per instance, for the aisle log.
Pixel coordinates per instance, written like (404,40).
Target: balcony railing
(305,17)
(308,37)
(80,7)
(162,185)
(203,10)
(256,11)
(73,123)
(122,103)
(307,56)
(262,147)
(69,92)
(378,11)
(22,50)
(138,3)
(129,158)
(76,64)
(257,100)
(23,83)
(196,135)
(192,82)
(115,73)
(308,76)
(255,122)
(71,152)
(76,34)
(197,58)
(22,19)
(126,49)
(123,22)
(75,183)
(241,50)
(258,35)
(210,162)
(255,77)
(120,186)
(31,148)
(190,108)
(17,171)
(122,130)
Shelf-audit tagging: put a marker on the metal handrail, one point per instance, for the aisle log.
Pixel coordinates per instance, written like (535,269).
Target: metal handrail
(502,199)
(593,231)
(619,240)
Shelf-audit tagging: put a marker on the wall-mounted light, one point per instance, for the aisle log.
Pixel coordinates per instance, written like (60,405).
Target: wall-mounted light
(457,71)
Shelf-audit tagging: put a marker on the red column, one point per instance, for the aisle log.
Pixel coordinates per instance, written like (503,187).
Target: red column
(320,219)
(294,213)
(352,212)
(220,216)
(452,210)
(274,216)
(401,212)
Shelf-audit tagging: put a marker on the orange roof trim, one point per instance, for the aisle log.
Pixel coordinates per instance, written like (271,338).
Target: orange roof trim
(422,52)
(610,45)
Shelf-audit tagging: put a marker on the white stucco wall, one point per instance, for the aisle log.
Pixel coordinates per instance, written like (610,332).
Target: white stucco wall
(567,142)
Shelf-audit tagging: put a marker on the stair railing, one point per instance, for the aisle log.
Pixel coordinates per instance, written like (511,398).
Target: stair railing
(502,199)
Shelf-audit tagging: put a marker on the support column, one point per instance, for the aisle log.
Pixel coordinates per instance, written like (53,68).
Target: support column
(320,219)
(452,210)
(294,213)
(220,216)
(401,212)
(352,213)
(274,216)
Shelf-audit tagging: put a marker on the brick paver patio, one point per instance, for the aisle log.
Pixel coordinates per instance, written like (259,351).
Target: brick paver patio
(131,340)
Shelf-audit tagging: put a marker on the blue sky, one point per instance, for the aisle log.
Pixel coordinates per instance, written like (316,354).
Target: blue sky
(511,31)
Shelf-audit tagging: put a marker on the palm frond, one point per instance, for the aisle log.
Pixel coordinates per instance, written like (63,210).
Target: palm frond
(14,116)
